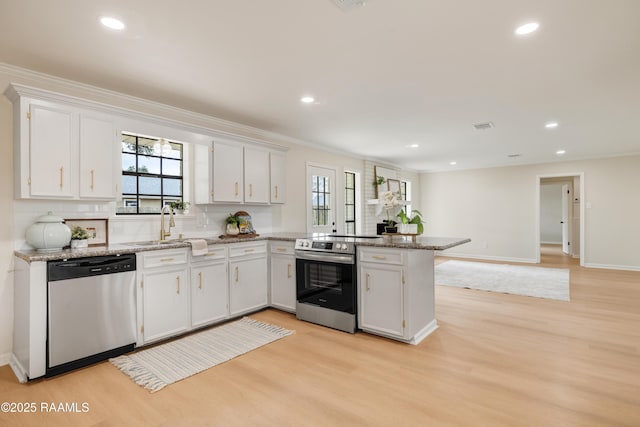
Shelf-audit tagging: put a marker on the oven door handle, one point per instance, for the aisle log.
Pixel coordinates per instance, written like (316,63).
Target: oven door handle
(335,258)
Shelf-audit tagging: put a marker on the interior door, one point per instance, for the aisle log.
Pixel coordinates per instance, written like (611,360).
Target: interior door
(321,193)
(566,198)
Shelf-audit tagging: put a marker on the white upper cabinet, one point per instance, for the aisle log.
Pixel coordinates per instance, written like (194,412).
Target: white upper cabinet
(61,151)
(98,169)
(228,183)
(278,177)
(51,151)
(256,175)
(233,172)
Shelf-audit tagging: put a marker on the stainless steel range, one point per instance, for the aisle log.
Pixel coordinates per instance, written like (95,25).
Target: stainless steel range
(326,282)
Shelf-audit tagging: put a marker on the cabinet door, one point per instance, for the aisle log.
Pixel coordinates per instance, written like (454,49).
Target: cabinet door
(256,175)
(51,152)
(247,285)
(227,172)
(97,158)
(165,303)
(278,179)
(381,299)
(209,293)
(283,282)
(202,185)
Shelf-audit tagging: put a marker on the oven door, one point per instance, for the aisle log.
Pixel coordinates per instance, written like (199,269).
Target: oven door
(325,283)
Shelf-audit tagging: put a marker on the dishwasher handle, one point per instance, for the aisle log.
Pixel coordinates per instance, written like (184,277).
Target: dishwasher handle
(90,266)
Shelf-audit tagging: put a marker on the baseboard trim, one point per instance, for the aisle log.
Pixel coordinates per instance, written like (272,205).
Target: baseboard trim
(5,359)
(488,257)
(613,267)
(18,370)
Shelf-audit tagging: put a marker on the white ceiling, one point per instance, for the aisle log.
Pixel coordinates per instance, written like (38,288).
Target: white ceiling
(386,75)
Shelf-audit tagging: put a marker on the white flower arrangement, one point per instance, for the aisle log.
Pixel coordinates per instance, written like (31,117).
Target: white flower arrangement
(390,203)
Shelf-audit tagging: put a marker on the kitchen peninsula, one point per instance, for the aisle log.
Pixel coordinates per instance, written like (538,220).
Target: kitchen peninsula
(395,287)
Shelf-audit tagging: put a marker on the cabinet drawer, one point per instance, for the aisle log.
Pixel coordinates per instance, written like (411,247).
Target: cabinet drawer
(381,256)
(284,248)
(244,249)
(216,253)
(164,257)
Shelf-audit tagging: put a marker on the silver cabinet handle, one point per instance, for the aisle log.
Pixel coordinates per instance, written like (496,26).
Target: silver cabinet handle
(92,173)
(178,280)
(200,280)
(367,283)
(237,274)
(288,271)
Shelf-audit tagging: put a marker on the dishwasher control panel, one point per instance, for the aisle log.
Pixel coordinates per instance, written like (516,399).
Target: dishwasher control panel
(90,266)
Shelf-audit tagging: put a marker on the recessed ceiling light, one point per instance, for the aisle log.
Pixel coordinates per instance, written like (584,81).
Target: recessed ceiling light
(560,152)
(527,28)
(551,125)
(412,146)
(453,163)
(307,99)
(113,23)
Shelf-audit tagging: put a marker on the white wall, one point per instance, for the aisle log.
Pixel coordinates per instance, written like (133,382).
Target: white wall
(495,208)
(551,213)
(6,227)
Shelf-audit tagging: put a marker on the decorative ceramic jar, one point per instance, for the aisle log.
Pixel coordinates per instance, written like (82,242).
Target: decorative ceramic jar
(48,233)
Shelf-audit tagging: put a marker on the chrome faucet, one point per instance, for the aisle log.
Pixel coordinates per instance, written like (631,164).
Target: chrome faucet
(172,223)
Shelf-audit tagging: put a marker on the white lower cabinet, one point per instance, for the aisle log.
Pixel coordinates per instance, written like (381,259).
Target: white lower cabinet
(163,285)
(395,293)
(382,299)
(247,277)
(283,276)
(209,287)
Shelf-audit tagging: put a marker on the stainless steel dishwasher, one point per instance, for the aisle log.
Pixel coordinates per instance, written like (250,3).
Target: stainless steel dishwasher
(91,310)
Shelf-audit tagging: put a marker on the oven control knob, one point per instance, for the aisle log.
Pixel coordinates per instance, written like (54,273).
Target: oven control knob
(306,244)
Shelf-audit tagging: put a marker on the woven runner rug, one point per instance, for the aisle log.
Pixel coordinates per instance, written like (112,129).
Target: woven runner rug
(540,282)
(165,364)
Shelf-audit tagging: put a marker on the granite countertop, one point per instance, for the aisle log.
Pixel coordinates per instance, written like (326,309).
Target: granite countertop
(424,243)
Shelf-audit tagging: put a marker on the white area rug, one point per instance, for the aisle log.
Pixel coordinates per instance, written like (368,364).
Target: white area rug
(540,282)
(165,364)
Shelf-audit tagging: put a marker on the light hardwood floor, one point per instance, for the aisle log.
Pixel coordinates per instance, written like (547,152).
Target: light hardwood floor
(496,360)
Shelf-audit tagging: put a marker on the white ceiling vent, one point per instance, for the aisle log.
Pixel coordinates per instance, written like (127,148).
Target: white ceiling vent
(349,4)
(483,126)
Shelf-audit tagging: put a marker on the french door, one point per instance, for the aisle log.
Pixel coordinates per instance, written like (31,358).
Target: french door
(321,193)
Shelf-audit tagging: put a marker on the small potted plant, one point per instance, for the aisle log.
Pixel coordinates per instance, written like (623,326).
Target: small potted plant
(179,206)
(232,225)
(79,237)
(410,225)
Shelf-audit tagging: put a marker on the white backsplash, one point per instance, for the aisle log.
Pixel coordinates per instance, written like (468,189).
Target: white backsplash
(202,220)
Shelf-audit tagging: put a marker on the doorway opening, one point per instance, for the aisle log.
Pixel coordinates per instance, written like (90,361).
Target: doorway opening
(560,218)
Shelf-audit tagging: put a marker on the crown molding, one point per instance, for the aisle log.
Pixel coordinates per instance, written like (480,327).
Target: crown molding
(161,113)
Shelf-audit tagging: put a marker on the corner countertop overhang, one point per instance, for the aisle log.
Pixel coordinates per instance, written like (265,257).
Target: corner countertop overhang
(422,243)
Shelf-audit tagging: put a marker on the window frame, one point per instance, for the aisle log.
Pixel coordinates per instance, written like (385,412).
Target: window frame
(130,200)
